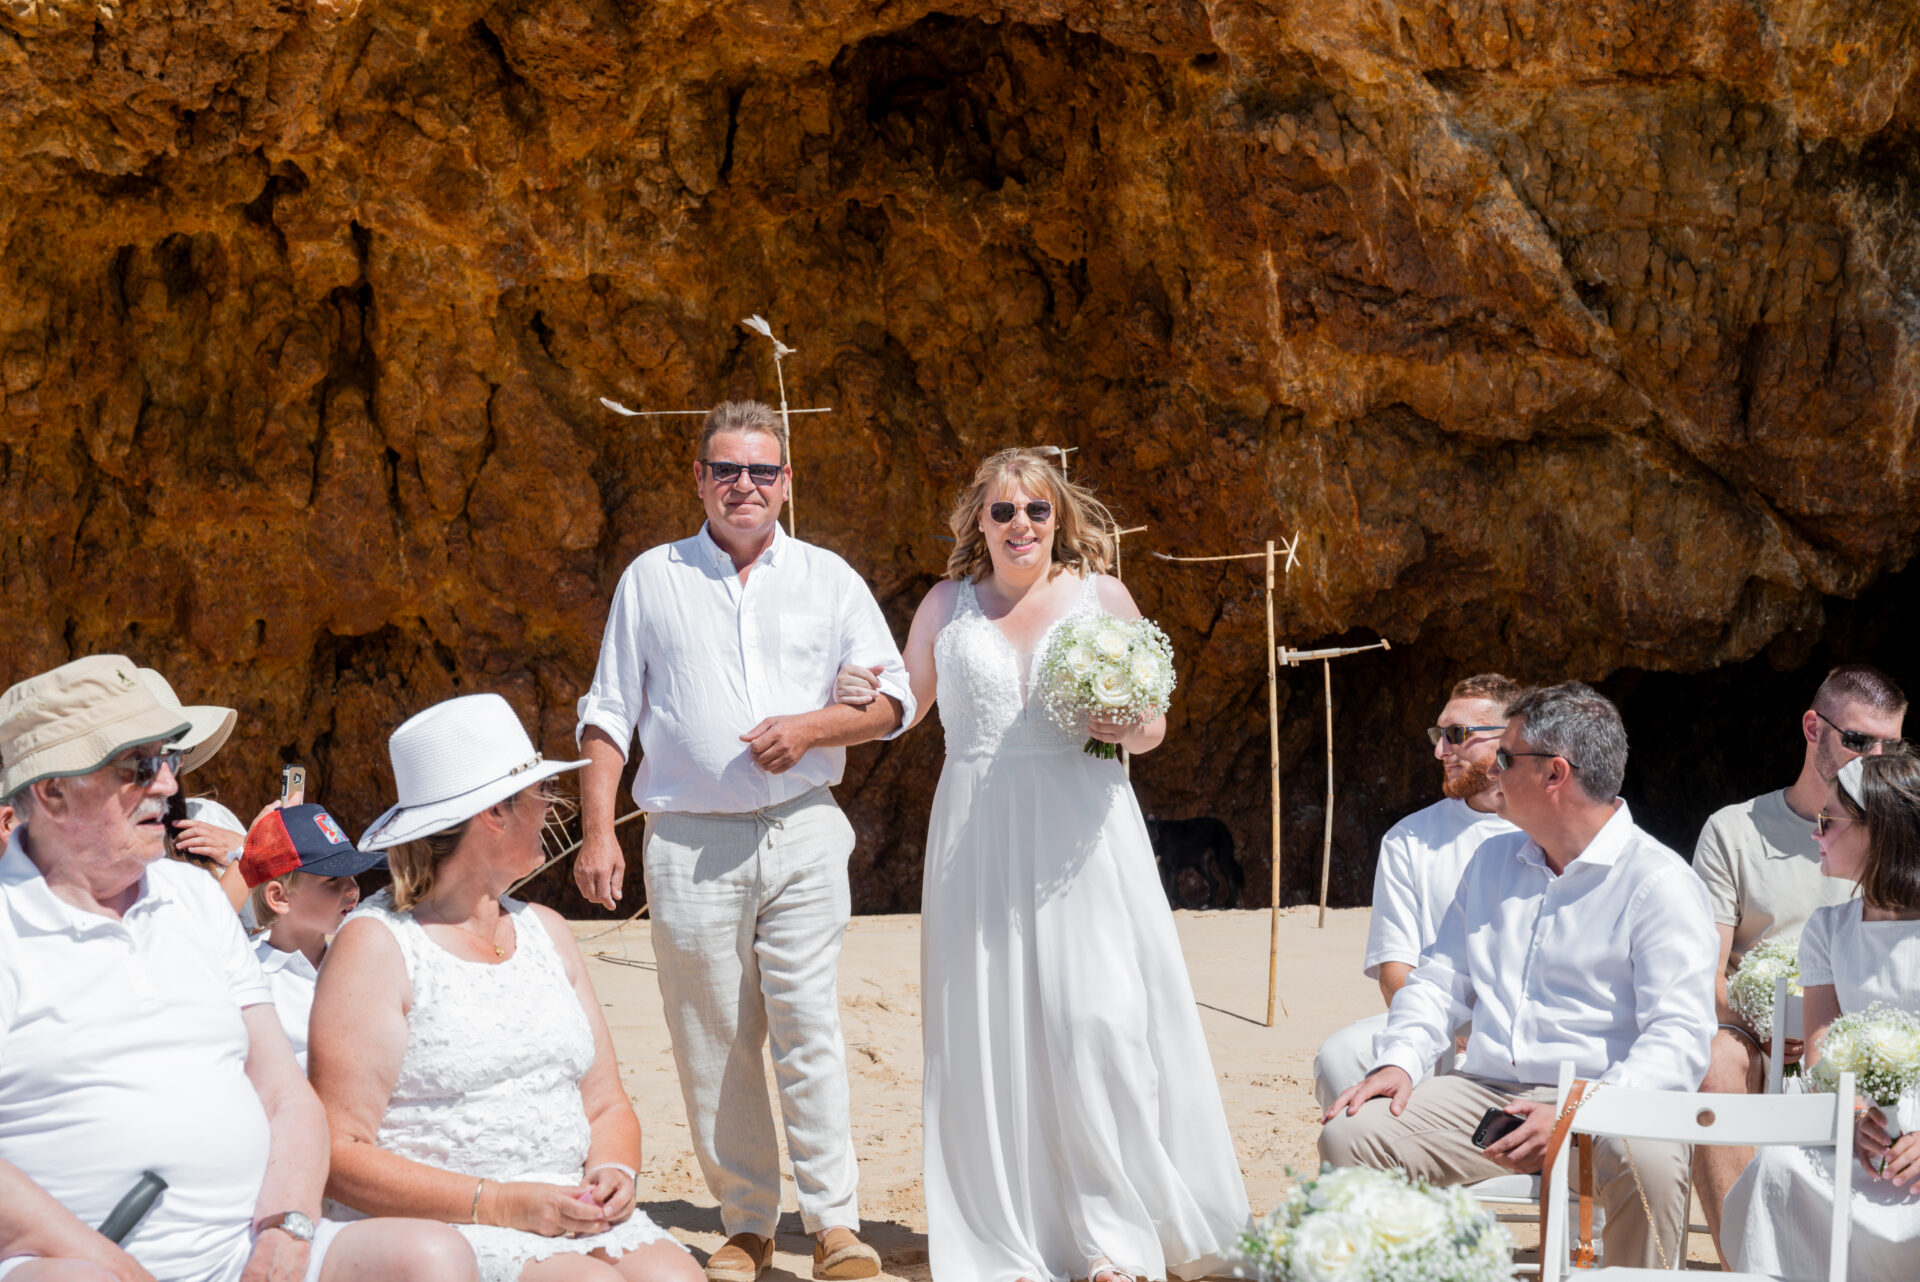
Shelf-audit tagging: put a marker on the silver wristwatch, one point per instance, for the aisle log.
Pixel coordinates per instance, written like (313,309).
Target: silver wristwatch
(293,1223)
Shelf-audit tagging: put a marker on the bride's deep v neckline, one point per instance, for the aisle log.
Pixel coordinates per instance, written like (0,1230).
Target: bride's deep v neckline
(1024,660)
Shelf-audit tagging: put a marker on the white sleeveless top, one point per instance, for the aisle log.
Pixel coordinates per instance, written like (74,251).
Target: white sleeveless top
(986,707)
(490,1083)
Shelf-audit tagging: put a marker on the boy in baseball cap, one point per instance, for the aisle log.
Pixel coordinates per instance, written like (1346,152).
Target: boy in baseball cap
(299,869)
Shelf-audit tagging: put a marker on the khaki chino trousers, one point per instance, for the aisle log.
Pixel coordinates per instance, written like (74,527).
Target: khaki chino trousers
(748,913)
(1433,1140)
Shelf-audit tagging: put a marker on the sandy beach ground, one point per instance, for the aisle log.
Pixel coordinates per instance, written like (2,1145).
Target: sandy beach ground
(1265,1074)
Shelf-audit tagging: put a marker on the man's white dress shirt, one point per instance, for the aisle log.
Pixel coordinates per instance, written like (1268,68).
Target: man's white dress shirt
(122,1050)
(1421,860)
(692,659)
(1609,964)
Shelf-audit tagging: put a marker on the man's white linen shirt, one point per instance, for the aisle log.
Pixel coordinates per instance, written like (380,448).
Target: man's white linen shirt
(1421,860)
(1609,964)
(122,1050)
(692,659)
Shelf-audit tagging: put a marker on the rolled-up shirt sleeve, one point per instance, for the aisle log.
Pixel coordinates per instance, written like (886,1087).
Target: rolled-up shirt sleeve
(868,641)
(1674,947)
(1393,933)
(1436,999)
(613,701)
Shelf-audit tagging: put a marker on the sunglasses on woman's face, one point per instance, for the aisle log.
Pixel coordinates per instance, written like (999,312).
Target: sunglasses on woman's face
(1823,823)
(1456,735)
(1039,512)
(761,474)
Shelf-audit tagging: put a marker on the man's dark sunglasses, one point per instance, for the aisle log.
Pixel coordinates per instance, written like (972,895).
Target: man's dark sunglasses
(1039,512)
(761,474)
(145,766)
(1504,759)
(1856,741)
(1455,735)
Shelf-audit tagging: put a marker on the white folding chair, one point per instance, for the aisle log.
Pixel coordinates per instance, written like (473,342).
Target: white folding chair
(1686,1117)
(1788,1024)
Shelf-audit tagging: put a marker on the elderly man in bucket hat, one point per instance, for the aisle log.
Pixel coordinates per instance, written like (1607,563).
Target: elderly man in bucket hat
(136,1034)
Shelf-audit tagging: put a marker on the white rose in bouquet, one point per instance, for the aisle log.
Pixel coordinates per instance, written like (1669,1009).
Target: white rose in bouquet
(1112,688)
(1110,641)
(1079,660)
(1399,1216)
(1330,1247)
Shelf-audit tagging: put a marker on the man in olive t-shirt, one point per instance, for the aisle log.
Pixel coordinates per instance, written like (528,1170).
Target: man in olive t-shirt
(1762,870)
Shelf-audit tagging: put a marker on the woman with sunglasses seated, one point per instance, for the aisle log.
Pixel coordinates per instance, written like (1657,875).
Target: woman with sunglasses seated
(1852,955)
(1072,1125)
(456,1040)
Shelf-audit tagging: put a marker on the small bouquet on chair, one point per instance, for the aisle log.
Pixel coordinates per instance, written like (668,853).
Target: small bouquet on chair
(1880,1046)
(1104,668)
(1358,1225)
(1750,991)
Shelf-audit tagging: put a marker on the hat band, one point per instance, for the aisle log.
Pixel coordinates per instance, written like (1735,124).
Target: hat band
(471,788)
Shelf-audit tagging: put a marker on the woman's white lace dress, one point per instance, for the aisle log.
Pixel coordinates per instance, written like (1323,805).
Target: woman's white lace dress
(1069,1102)
(1775,1220)
(490,1084)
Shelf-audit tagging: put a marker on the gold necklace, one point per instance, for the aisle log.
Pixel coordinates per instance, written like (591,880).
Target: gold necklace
(497,950)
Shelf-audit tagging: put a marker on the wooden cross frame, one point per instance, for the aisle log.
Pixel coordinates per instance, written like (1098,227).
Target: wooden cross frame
(1293,659)
(1273,550)
(759,326)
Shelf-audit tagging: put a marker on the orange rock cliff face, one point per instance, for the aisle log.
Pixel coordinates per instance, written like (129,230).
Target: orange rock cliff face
(1571,339)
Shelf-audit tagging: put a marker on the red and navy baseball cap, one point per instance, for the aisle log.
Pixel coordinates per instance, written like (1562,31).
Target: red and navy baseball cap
(302,839)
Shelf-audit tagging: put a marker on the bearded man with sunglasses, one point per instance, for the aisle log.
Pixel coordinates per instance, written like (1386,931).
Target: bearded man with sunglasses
(1421,859)
(137,1033)
(720,655)
(1578,938)
(1761,866)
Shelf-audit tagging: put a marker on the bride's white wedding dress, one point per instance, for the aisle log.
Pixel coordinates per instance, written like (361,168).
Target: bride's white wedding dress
(1070,1106)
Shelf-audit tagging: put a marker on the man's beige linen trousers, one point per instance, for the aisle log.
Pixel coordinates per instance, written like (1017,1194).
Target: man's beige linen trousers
(748,911)
(1433,1140)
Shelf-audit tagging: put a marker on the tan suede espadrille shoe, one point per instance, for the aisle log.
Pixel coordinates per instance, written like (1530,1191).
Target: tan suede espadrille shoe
(840,1254)
(743,1259)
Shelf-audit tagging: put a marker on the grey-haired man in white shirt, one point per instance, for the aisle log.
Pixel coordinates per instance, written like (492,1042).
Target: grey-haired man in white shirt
(1577,938)
(720,654)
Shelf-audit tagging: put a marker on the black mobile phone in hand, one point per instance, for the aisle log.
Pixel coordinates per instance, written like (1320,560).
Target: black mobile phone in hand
(1494,1124)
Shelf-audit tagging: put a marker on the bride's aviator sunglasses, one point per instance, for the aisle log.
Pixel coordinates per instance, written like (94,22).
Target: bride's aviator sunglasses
(1039,512)
(761,474)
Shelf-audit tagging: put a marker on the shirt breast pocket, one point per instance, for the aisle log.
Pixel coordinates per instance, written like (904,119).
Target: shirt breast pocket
(809,651)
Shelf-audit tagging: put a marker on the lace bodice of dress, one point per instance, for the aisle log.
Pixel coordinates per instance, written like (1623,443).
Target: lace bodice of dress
(490,1083)
(983,683)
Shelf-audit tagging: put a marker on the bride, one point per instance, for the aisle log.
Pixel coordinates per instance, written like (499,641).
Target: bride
(1073,1128)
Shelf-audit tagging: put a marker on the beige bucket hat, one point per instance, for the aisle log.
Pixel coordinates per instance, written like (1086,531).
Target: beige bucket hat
(78,717)
(210,723)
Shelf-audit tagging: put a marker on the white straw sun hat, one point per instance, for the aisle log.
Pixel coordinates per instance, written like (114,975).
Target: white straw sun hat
(453,761)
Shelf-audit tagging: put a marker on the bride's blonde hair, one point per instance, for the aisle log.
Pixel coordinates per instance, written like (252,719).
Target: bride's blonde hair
(1083,528)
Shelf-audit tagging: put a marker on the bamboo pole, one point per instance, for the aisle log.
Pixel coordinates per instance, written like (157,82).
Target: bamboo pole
(1273,794)
(1326,843)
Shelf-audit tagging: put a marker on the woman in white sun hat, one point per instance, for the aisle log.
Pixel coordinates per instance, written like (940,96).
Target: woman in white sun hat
(456,1040)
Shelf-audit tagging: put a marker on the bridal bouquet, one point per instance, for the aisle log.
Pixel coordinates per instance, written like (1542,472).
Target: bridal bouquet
(1750,991)
(1880,1046)
(1101,667)
(1359,1225)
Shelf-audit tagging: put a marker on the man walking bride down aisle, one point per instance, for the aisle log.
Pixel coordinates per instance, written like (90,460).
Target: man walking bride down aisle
(1073,1126)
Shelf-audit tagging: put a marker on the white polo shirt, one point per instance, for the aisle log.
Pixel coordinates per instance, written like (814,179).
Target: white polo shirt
(290,977)
(692,659)
(122,1050)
